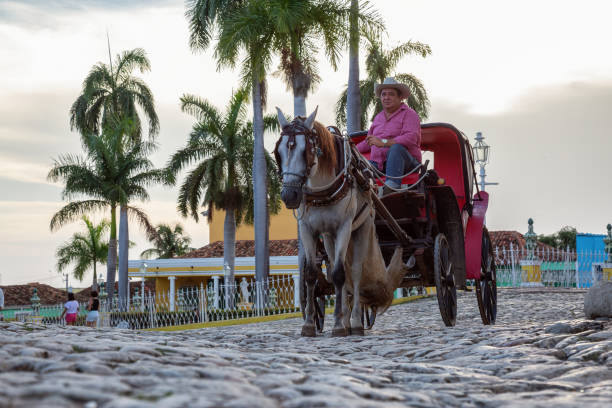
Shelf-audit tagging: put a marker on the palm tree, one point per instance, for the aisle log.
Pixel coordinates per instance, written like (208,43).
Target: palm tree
(85,250)
(111,91)
(110,94)
(242,25)
(380,63)
(114,172)
(250,30)
(171,242)
(221,147)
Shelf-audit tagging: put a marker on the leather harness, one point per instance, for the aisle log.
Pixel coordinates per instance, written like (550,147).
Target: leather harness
(332,193)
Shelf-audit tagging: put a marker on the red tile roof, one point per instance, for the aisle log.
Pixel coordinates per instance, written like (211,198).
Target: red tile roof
(502,240)
(244,248)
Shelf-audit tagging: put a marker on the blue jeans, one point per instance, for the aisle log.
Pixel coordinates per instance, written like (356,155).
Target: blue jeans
(399,162)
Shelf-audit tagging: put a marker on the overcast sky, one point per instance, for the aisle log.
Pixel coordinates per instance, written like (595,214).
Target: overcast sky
(534,77)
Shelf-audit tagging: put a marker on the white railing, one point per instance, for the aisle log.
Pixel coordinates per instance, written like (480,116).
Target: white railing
(195,304)
(518,267)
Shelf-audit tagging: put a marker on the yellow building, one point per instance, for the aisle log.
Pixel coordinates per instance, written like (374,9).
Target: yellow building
(282,226)
(204,267)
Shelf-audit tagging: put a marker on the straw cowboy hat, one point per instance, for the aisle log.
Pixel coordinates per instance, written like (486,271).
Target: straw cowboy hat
(390,82)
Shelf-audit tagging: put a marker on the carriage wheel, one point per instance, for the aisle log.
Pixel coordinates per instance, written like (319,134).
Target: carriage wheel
(445,280)
(486,286)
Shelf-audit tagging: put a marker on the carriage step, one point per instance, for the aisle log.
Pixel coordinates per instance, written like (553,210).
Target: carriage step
(402,195)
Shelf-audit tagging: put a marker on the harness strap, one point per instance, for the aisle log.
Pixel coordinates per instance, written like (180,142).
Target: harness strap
(330,195)
(361,216)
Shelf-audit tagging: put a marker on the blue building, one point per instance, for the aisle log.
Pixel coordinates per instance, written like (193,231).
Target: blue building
(590,248)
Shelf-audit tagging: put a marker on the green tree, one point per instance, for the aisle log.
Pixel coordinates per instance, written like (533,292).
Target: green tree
(255,31)
(562,239)
(358,26)
(111,91)
(111,94)
(114,172)
(85,250)
(380,64)
(221,148)
(170,242)
(300,29)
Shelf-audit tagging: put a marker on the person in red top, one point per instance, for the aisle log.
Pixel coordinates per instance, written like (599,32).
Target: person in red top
(394,138)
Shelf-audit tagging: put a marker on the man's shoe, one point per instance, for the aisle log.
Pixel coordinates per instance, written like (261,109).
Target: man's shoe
(387,190)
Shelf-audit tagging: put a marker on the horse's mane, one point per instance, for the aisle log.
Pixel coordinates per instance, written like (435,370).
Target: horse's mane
(327,161)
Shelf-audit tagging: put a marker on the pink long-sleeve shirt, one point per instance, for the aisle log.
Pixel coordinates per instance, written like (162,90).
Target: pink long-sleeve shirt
(404,126)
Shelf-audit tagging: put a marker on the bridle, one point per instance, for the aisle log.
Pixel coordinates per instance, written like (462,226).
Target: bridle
(311,151)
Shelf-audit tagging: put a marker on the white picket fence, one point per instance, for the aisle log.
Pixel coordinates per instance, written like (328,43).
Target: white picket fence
(516,267)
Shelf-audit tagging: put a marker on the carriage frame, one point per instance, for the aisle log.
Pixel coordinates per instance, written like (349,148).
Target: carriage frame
(439,220)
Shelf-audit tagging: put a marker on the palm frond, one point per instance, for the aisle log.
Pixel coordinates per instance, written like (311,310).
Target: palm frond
(72,211)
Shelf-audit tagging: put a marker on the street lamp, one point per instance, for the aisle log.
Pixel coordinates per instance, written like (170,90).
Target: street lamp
(143,272)
(481,155)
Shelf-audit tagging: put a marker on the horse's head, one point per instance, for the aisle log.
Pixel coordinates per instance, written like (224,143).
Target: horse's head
(296,154)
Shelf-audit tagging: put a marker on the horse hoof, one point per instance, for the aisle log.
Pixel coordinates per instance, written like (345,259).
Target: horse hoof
(357,331)
(309,331)
(339,332)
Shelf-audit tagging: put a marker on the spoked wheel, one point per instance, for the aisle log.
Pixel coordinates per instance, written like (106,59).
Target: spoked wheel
(486,286)
(445,280)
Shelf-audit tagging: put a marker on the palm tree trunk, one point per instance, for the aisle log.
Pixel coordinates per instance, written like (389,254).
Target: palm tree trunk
(299,105)
(111,263)
(229,255)
(260,187)
(124,240)
(353,100)
(299,109)
(94,285)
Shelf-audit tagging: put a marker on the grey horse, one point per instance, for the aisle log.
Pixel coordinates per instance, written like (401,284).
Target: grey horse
(316,183)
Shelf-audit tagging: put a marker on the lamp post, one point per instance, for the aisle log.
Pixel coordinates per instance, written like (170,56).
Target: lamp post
(608,243)
(481,155)
(143,272)
(35,301)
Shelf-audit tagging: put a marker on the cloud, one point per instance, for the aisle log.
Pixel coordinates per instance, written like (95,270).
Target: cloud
(40,14)
(550,152)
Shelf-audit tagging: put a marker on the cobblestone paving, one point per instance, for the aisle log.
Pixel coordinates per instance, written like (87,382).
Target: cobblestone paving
(541,353)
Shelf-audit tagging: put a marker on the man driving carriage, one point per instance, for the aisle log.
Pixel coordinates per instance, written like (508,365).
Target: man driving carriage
(394,138)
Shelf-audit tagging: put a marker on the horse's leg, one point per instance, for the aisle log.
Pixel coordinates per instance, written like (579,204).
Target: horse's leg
(310,277)
(338,276)
(346,311)
(328,243)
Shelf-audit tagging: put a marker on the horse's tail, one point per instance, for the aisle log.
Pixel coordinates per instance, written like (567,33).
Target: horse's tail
(396,270)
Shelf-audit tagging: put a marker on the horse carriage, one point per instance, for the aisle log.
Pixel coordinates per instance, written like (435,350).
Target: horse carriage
(435,221)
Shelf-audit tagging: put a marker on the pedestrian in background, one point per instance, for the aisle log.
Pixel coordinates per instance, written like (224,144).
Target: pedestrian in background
(71,308)
(92,308)
(1,304)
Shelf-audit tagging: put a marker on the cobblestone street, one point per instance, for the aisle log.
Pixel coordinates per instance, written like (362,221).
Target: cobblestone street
(541,352)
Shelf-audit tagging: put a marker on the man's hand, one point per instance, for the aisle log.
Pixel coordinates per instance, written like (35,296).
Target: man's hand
(374,141)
